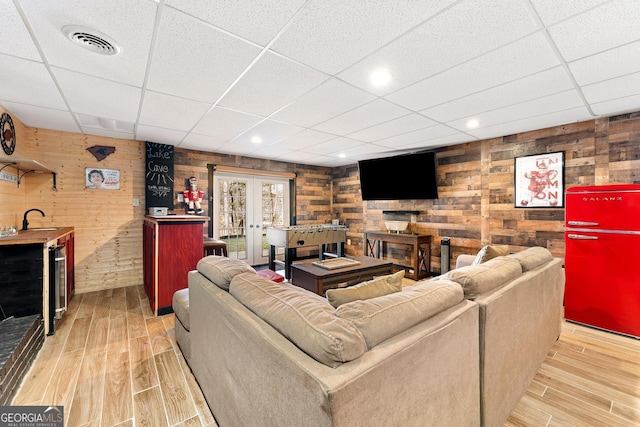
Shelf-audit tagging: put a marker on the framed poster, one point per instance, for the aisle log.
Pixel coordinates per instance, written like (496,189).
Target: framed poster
(105,179)
(539,181)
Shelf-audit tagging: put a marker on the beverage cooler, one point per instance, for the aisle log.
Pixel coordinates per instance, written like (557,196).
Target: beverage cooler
(602,257)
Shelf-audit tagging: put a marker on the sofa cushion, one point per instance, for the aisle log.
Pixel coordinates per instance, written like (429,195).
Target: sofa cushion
(220,270)
(180,305)
(305,318)
(531,258)
(490,252)
(376,287)
(481,278)
(386,316)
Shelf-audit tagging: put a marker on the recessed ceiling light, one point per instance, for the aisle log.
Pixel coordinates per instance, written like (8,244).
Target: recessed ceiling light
(381,77)
(256,139)
(342,155)
(473,123)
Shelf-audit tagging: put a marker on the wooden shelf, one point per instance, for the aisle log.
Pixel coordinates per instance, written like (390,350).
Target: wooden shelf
(25,166)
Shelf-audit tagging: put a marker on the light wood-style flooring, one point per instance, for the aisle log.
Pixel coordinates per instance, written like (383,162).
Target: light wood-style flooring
(111,363)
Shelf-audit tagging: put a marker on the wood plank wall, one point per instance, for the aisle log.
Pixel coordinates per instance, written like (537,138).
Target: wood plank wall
(108,228)
(475,205)
(313,183)
(476,188)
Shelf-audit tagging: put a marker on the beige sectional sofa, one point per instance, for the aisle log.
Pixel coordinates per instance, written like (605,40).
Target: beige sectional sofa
(273,354)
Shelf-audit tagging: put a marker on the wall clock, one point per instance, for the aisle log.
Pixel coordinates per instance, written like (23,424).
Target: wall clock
(8,135)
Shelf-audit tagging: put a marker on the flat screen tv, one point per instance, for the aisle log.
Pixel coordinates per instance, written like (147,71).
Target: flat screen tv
(403,177)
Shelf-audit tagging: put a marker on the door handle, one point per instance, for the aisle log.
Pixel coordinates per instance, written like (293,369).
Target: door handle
(583,223)
(582,237)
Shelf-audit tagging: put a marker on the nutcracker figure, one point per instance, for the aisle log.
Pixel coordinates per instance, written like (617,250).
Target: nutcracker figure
(193,197)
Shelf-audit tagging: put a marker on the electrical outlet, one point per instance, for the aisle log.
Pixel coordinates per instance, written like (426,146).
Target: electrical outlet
(136,202)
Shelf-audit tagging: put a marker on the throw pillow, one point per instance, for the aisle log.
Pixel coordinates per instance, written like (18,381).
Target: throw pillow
(379,286)
(490,252)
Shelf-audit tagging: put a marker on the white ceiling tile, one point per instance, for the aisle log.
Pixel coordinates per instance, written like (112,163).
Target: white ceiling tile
(109,133)
(268,131)
(535,107)
(606,65)
(199,63)
(170,111)
(108,99)
(443,141)
(297,156)
(362,117)
(305,138)
(28,82)
(533,123)
(417,137)
(432,48)
(611,89)
(591,32)
(159,135)
(617,106)
(393,127)
(258,20)
(332,146)
(529,87)
(40,117)
(551,11)
(223,125)
(194,141)
(522,58)
(330,35)
(272,83)
(328,100)
(13,29)
(89,123)
(131,30)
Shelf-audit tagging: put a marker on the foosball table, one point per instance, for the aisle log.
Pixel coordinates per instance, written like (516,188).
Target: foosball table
(296,236)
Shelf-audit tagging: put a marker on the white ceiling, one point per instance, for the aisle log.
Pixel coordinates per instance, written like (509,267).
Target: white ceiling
(214,75)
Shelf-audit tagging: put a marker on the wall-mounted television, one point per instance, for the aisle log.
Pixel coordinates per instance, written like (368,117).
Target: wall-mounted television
(402,177)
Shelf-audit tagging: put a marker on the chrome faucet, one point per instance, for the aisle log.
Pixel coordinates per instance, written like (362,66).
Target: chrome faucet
(25,223)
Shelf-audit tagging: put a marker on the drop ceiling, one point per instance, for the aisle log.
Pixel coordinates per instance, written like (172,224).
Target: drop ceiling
(289,79)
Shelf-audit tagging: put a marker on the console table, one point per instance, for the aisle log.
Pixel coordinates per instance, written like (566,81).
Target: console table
(420,249)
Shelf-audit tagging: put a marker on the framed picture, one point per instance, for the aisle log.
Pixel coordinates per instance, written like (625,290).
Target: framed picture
(106,179)
(539,181)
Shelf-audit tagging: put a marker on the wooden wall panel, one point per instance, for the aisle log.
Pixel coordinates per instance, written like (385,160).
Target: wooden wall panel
(476,187)
(475,207)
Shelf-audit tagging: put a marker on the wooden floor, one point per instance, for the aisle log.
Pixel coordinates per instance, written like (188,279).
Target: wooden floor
(112,363)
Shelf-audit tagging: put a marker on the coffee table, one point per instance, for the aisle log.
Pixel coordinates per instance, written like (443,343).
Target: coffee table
(317,279)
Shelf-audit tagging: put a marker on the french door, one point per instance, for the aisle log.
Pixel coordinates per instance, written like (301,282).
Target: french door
(243,207)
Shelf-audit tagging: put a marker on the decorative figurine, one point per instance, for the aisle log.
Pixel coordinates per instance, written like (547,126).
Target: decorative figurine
(193,197)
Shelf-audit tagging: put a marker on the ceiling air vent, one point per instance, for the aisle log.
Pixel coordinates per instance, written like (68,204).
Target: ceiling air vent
(92,40)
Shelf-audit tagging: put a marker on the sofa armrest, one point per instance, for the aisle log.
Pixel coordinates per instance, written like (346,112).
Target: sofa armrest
(464,260)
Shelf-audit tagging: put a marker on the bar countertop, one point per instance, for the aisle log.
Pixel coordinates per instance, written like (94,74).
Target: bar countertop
(35,235)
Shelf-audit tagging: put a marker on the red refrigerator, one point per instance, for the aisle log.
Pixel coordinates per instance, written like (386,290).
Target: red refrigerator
(602,257)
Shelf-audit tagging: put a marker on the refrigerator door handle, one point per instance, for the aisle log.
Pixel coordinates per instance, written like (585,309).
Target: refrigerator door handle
(581,237)
(583,223)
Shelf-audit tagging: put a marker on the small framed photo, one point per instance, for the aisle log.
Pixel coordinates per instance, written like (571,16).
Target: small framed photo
(539,181)
(105,179)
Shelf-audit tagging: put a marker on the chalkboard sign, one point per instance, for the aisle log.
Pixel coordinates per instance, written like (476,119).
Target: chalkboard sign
(159,176)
